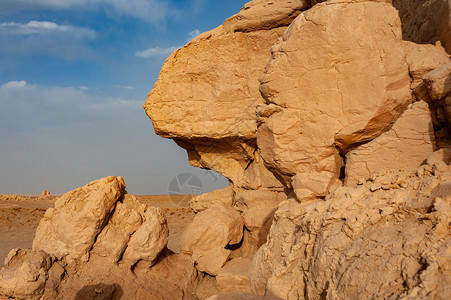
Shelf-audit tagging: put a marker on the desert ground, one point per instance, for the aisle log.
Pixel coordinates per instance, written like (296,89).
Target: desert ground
(20,216)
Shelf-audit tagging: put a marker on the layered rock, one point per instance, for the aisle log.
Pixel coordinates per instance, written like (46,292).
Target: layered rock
(318,77)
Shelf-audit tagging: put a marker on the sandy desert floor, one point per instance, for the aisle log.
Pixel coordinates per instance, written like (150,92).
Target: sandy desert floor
(19,219)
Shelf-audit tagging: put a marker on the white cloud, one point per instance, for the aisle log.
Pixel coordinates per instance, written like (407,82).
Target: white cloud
(156,51)
(193,34)
(45,27)
(126,87)
(36,37)
(87,88)
(14,85)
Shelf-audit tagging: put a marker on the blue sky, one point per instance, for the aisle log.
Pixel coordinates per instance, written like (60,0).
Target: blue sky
(74,75)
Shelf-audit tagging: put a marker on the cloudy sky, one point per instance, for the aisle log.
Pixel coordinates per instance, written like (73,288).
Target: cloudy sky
(74,75)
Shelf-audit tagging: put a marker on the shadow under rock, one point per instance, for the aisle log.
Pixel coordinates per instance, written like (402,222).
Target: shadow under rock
(100,292)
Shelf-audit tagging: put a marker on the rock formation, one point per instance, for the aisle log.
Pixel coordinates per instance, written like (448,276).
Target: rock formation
(345,93)
(331,120)
(98,239)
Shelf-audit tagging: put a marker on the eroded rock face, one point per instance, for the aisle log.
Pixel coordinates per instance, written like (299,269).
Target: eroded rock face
(387,238)
(318,75)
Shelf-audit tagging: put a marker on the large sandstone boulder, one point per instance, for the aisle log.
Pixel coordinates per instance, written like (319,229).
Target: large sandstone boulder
(208,235)
(149,239)
(359,244)
(70,229)
(319,77)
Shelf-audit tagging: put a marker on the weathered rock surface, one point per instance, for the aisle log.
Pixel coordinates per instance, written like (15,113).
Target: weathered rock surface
(149,239)
(425,21)
(361,244)
(318,75)
(127,218)
(404,147)
(288,99)
(208,235)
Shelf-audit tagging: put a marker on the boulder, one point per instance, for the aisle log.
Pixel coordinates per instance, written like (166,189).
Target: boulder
(404,147)
(207,237)
(101,219)
(70,229)
(318,75)
(25,274)
(438,81)
(149,239)
(114,238)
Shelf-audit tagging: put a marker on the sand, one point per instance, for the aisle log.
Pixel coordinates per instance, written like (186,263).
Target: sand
(20,218)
